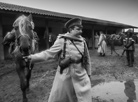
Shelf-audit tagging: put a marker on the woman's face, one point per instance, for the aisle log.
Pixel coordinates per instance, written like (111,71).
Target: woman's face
(101,33)
(76,31)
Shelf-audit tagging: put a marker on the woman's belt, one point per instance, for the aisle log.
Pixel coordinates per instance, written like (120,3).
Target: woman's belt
(76,61)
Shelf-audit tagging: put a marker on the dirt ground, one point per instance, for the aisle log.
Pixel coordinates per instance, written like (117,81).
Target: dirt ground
(108,68)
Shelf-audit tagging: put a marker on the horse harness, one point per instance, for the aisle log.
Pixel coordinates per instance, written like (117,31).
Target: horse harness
(83,59)
(32,43)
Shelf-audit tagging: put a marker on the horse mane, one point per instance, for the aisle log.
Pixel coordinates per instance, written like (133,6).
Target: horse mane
(21,27)
(17,20)
(22,24)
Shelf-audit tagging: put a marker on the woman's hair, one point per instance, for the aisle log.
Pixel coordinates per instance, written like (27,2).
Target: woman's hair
(72,27)
(69,29)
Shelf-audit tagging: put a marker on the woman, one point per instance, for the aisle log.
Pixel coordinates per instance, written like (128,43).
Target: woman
(72,83)
(102,44)
(96,40)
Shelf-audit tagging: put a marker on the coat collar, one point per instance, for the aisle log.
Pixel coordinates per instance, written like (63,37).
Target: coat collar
(71,37)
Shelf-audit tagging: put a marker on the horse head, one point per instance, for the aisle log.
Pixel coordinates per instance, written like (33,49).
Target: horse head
(24,43)
(24,34)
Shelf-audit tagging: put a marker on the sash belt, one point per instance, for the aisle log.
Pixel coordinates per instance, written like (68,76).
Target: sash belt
(76,61)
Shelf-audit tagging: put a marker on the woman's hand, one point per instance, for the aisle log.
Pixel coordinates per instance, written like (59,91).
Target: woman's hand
(98,44)
(89,76)
(27,58)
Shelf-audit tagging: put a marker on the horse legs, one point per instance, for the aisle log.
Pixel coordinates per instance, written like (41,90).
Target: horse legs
(23,82)
(28,78)
(28,75)
(116,52)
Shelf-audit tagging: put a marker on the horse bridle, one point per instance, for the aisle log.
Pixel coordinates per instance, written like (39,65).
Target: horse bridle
(18,43)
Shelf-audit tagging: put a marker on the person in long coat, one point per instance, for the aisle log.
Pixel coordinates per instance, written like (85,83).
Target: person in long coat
(102,44)
(96,40)
(73,84)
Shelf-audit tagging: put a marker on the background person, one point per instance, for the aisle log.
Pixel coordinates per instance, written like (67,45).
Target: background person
(129,45)
(96,40)
(73,84)
(102,44)
(50,38)
(113,38)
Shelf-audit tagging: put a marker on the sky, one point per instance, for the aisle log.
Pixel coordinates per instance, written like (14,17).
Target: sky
(121,11)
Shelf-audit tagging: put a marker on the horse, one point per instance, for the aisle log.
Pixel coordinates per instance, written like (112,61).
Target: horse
(24,46)
(114,39)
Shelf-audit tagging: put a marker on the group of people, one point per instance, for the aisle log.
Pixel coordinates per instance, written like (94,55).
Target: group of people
(72,80)
(128,43)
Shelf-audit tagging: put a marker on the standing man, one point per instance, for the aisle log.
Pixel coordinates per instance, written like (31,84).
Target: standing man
(129,48)
(72,79)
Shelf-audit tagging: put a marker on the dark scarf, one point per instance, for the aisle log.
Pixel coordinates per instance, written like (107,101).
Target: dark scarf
(72,37)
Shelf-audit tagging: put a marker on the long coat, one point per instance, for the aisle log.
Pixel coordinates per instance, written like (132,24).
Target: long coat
(102,44)
(74,84)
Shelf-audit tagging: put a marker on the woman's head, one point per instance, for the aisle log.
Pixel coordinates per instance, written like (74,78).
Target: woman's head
(75,30)
(129,33)
(74,26)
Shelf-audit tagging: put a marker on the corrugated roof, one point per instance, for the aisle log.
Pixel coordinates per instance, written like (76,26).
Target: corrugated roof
(11,7)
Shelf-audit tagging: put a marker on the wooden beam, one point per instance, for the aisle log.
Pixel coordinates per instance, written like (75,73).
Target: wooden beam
(1,39)
(92,37)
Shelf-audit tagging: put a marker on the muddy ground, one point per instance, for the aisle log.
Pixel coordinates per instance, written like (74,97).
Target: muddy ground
(108,68)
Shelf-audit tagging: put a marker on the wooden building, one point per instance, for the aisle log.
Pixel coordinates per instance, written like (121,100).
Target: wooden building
(46,21)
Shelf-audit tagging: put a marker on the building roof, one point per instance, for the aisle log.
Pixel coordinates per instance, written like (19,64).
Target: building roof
(23,9)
